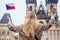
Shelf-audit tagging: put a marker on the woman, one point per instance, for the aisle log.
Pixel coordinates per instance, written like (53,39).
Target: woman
(53,12)
(31,29)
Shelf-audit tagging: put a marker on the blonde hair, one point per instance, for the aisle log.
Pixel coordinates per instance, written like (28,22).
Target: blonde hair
(30,24)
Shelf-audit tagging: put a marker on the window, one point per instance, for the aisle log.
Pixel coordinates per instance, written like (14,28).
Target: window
(51,6)
(41,8)
(8,33)
(7,39)
(41,22)
(30,8)
(2,39)
(3,32)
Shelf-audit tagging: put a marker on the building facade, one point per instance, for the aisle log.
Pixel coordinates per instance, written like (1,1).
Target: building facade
(31,5)
(5,33)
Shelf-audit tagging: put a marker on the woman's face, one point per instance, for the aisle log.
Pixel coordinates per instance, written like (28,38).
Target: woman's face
(53,10)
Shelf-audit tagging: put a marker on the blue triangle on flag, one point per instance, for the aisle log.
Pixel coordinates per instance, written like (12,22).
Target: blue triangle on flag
(7,6)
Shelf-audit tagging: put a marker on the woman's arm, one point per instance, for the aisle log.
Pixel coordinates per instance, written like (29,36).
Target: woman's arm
(48,25)
(14,28)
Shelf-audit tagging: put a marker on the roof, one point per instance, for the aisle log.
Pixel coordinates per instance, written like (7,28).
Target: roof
(51,1)
(41,14)
(4,18)
(31,1)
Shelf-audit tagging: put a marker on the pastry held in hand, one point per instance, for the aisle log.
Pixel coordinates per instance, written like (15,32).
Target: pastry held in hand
(51,22)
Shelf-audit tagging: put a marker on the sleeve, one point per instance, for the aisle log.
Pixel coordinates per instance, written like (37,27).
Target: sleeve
(46,27)
(43,27)
(14,28)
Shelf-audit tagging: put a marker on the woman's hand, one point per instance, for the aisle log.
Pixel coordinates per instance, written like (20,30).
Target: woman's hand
(9,19)
(51,22)
(9,22)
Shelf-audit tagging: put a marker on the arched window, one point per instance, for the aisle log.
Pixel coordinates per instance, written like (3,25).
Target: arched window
(41,22)
(30,8)
(51,6)
(2,39)
(41,8)
(3,32)
(8,33)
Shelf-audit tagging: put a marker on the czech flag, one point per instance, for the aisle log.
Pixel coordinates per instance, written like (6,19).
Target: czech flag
(10,6)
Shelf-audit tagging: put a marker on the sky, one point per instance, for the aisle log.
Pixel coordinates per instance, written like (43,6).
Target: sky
(18,15)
